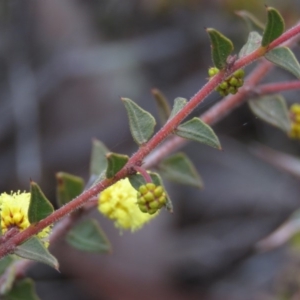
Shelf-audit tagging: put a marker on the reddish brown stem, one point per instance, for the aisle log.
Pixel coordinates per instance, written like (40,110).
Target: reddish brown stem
(139,156)
(144,173)
(213,115)
(277,87)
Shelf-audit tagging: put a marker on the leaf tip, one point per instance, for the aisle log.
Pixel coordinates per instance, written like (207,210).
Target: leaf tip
(154,91)
(59,178)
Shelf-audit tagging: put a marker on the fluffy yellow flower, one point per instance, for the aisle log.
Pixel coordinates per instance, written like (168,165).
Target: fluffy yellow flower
(14,213)
(119,203)
(295,117)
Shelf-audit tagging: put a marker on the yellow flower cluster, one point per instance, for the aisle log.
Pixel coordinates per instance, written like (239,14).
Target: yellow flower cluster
(295,117)
(119,203)
(14,213)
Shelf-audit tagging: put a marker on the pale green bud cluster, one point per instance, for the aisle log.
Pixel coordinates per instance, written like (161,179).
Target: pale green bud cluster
(151,198)
(231,84)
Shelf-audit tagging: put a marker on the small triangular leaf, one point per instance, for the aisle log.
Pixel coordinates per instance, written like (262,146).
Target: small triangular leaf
(68,187)
(273,110)
(221,47)
(137,180)
(115,162)
(89,237)
(252,22)
(5,262)
(274,27)
(196,130)
(163,106)
(98,162)
(34,249)
(22,290)
(253,43)
(180,169)
(284,58)
(179,103)
(7,280)
(40,207)
(141,122)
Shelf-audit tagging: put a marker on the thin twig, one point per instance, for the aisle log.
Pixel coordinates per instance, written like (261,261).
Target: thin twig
(270,88)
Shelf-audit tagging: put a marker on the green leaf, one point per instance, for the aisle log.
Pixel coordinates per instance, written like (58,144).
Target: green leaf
(163,106)
(252,22)
(180,169)
(141,122)
(274,27)
(98,162)
(284,58)
(5,262)
(93,181)
(221,47)
(115,162)
(198,131)
(179,103)
(39,207)
(7,280)
(68,187)
(88,236)
(273,110)
(34,249)
(253,43)
(137,180)
(22,290)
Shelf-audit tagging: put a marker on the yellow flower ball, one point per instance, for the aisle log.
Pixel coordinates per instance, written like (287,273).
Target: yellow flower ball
(14,214)
(119,203)
(295,121)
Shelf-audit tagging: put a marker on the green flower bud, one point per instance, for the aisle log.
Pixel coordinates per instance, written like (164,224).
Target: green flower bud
(143,189)
(232,90)
(143,208)
(233,81)
(158,191)
(154,204)
(239,73)
(152,211)
(148,197)
(223,85)
(150,186)
(213,71)
(162,200)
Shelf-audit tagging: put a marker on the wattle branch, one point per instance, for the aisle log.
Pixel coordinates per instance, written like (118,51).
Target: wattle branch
(8,246)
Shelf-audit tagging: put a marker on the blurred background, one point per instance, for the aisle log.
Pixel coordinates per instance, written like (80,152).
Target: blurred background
(64,66)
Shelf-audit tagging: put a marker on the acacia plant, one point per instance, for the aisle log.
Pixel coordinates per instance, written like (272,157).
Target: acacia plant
(124,188)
